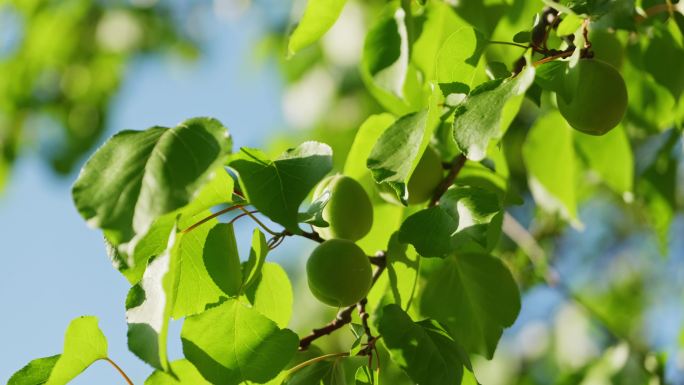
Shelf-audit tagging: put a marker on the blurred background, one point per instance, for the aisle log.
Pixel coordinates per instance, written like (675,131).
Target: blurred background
(74,72)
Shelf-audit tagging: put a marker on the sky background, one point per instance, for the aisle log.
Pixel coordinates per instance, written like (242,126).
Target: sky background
(55,267)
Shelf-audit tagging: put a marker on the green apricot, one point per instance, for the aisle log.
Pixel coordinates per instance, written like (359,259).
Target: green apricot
(599,100)
(349,211)
(339,273)
(423,182)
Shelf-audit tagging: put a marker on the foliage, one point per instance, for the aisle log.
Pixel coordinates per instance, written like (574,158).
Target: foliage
(448,80)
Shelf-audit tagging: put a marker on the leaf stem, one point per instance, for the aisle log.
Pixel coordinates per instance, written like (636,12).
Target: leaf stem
(315,360)
(212,216)
(255,219)
(509,43)
(456,166)
(118,369)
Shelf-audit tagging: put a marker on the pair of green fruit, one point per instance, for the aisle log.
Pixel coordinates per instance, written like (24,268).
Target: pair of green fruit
(338,271)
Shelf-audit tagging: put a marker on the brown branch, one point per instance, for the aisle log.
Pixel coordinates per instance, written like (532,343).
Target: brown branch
(456,166)
(343,316)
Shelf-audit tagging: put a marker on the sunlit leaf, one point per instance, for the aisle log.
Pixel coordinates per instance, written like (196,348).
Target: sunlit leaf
(318,17)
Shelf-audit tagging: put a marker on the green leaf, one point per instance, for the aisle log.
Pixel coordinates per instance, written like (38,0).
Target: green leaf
(149,306)
(429,231)
(385,61)
(138,176)
(318,17)
(403,268)
(271,294)
(458,59)
(84,344)
(277,187)
(550,159)
(231,343)
(208,268)
(475,296)
(423,349)
(603,153)
(257,256)
(314,214)
(478,212)
(488,111)
(185,372)
(366,376)
(398,150)
(440,22)
(662,55)
(35,372)
(569,25)
(552,76)
(366,137)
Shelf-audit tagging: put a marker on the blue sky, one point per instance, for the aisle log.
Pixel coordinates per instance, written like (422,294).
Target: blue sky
(54,267)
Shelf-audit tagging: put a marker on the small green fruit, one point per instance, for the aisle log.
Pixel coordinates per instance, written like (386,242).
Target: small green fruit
(349,211)
(599,99)
(423,182)
(339,273)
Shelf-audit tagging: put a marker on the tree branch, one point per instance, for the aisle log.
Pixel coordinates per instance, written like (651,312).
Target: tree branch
(344,316)
(456,166)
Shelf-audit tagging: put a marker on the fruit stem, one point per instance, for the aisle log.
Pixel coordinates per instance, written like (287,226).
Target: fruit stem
(255,219)
(118,369)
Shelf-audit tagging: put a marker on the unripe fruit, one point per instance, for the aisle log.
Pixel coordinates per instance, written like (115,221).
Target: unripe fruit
(423,182)
(599,100)
(349,211)
(339,273)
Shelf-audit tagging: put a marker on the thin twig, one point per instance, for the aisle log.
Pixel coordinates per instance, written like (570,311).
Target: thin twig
(456,166)
(509,43)
(118,369)
(343,316)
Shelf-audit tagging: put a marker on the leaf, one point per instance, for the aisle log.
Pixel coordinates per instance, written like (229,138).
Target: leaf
(84,344)
(429,231)
(231,343)
(366,376)
(138,176)
(475,296)
(403,268)
(277,187)
(440,22)
(423,350)
(366,137)
(398,150)
(318,17)
(148,308)
(257,255)
(478,212)
(386,52)
(314,214)
(35,372)
(662,55)
(553,76)
(458,59)
(603,153)
(185,372)
(208,268)
(271,294)
(488,111)
(569,25)
(549,155)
